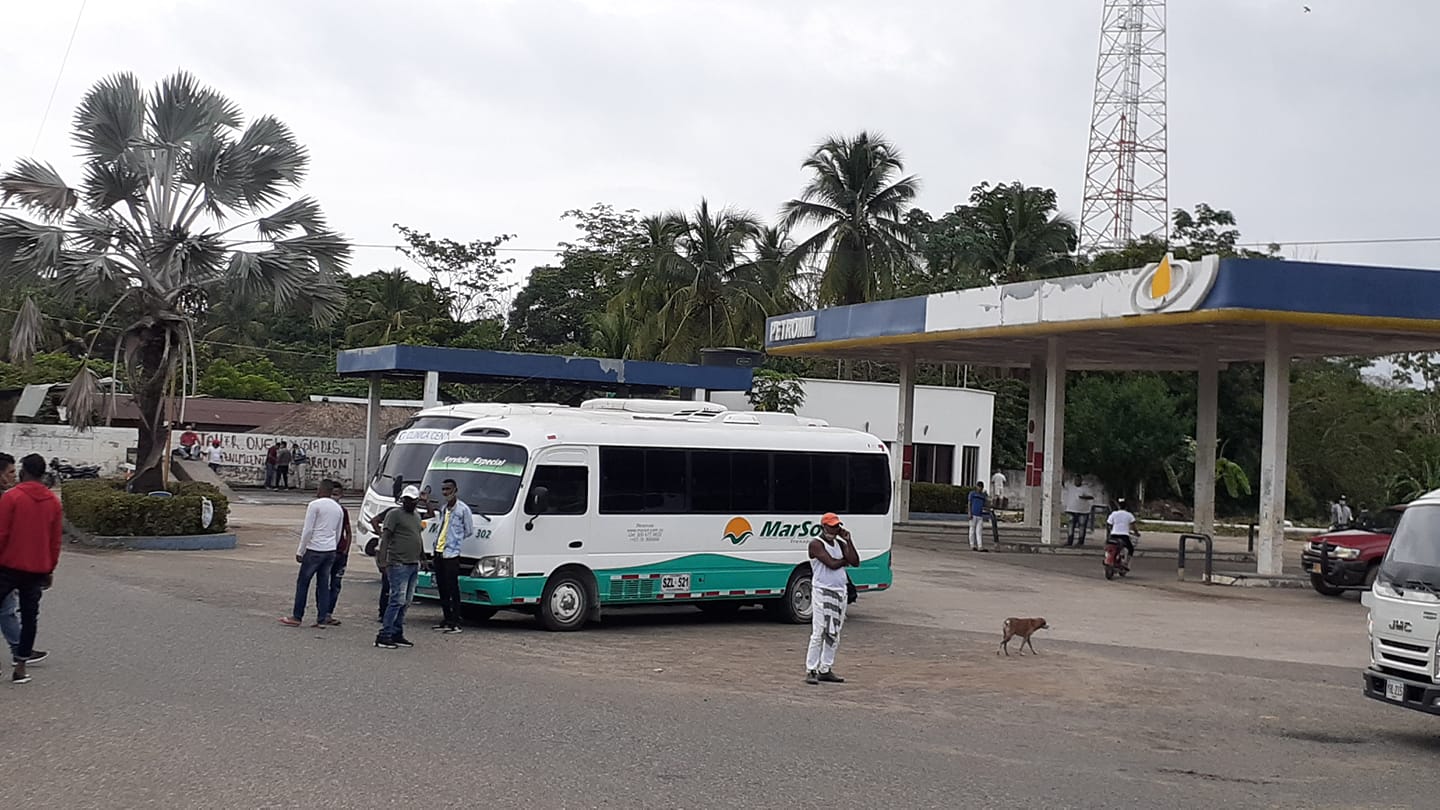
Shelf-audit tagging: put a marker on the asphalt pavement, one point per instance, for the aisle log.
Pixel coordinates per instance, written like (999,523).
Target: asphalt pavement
(171,684)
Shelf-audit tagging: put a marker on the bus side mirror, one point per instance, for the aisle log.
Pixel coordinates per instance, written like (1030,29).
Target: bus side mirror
(539,501)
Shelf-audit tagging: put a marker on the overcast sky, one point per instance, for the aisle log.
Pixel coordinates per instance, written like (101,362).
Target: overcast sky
(469,119)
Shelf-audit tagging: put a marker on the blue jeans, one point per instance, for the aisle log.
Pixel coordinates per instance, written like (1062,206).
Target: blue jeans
(337,573)
(401,579)
(10,621)
(316,565)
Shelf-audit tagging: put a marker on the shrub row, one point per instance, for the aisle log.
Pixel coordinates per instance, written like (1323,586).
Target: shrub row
(103,507)
(939,498)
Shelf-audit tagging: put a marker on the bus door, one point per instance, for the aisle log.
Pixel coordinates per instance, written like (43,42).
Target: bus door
(554,524)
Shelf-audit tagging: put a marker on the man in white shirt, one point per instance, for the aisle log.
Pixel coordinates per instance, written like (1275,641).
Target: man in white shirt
(324,523)
(217,455)
(1340,515)
(1077,506)
(1122,525)
(997,491)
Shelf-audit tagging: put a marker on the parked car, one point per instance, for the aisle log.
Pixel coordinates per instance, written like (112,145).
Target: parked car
(1347,559)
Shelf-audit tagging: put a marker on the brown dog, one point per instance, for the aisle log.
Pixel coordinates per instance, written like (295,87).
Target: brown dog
(1023,628)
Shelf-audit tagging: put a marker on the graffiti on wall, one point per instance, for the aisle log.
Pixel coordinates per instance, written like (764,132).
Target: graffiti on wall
(243,458)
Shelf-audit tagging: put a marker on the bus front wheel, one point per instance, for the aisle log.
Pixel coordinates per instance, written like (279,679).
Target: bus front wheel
(565,604)
(794,607)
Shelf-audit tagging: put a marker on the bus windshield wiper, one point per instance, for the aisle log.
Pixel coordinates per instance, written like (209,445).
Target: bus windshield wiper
(1422,585)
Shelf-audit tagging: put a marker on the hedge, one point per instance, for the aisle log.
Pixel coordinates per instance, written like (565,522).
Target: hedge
(103,507)
(939,498)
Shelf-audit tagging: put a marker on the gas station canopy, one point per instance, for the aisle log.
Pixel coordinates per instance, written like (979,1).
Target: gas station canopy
(1172,315)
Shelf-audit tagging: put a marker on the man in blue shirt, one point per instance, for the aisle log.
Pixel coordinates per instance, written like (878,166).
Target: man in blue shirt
(456,522)
(977,517)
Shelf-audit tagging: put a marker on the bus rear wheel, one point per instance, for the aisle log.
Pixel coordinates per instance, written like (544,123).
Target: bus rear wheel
(794,607)
(565,605)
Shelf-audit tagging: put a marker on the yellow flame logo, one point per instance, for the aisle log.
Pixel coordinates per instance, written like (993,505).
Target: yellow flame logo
(1161,282)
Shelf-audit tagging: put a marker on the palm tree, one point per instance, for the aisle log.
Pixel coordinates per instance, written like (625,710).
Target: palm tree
(1016,233)
(390,304)
(860,207)
(146,233)
(704,288)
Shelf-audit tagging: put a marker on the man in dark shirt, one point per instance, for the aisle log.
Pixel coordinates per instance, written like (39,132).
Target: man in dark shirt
(400,551)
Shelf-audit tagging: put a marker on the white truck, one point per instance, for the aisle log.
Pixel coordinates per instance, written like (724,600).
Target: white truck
(1404,604)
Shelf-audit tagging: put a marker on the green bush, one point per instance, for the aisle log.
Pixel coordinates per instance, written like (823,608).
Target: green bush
(939,498)
(103,507)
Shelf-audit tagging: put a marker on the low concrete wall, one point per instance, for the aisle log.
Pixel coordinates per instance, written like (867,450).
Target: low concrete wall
(104,446)
(192,542)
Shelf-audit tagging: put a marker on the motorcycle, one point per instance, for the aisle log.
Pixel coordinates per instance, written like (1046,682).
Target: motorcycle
(61,470)
(1117,558)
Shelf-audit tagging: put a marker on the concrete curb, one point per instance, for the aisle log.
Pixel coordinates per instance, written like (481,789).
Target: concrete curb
(1258,581)
(192,542)
(1087,551)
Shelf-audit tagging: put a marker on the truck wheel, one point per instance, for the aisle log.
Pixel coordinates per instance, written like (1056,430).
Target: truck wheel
(794,607)
(1324,588)
(1370,574)
(565,604)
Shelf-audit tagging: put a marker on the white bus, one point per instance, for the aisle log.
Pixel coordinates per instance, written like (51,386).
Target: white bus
(577,511)
(408,452)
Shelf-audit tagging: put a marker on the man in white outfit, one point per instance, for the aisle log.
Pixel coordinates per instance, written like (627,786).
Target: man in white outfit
(830,553)
(997,491)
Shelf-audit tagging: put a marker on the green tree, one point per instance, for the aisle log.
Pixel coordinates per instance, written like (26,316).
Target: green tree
(392,307)
(252,379)
(776,391)
(1013,232)
(146,232)
(858,200)
(1121,427)
(555,306)
(704,288)
(471,275)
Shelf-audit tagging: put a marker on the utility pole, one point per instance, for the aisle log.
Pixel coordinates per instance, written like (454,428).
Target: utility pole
(1126,184)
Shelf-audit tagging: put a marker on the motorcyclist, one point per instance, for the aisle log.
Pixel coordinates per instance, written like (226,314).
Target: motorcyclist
(1122,527)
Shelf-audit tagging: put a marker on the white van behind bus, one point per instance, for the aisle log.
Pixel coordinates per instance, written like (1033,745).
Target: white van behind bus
(581,510)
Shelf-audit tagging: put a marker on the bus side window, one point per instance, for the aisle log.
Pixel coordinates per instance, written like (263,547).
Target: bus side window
(569,488)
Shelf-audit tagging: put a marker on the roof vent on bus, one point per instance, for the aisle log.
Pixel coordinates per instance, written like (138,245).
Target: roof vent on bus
(660,406)
(486,431)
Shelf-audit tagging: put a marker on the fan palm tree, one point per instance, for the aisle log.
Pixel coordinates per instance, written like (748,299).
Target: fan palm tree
(855,198)
(1015,233)
(146,233)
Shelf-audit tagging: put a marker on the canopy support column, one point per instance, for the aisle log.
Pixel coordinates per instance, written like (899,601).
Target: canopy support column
(1274,449)
(1054,467)
(1206,435)
(902,454)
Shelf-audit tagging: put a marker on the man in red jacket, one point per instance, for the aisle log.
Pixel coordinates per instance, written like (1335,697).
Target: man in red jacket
(30,529)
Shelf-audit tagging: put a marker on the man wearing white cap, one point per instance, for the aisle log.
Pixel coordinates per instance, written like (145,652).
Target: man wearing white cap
(399,555)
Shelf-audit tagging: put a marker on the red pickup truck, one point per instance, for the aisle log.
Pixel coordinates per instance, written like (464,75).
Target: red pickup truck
(1346,559)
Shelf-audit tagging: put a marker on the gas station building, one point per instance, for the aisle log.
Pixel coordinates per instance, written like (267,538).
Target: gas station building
(1195,316)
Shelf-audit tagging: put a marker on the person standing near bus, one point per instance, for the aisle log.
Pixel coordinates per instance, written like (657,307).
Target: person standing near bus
(10,606)
(977,517)
(30,529)
(342,555)
(456,522)
(398,555)
(830,553)
(316,554)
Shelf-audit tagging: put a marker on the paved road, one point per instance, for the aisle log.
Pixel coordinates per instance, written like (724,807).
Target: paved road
(172,685)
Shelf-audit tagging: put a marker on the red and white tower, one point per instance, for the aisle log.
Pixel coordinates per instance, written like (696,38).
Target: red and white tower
(1126,189)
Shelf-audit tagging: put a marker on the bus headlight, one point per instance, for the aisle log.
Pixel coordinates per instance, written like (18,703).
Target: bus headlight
(495,567)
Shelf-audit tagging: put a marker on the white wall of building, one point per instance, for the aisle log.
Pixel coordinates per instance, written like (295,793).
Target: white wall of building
(104,446)
(957,417)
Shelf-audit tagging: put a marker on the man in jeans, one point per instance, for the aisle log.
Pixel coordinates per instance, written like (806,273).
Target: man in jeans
(456,521)
(319,538)
(342,556)
(399,554)
(10,607)
(30,529)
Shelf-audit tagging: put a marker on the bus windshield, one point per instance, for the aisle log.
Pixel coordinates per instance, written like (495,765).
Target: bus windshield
(411,450)
(486,474)
(1414,556)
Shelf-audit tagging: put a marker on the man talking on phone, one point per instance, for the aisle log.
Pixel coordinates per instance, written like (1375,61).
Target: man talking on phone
(830,553)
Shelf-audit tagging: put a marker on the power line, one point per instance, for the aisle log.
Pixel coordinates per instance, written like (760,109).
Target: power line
(53,90)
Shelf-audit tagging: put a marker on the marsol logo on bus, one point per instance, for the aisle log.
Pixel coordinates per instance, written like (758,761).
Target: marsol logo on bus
(739,529)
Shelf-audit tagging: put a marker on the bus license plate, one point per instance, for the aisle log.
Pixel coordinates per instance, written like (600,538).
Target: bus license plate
(1395,690)
(675,583)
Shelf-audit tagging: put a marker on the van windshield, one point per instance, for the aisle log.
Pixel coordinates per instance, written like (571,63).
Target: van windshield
(486,474)
(410,452)
(1414,556)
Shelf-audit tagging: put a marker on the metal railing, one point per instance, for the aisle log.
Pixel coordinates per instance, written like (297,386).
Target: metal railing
(1209,556)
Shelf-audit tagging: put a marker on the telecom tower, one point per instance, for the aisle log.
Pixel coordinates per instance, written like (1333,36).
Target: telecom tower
(1126,189)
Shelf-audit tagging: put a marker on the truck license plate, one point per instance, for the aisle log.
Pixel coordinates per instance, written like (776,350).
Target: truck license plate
(1395,690)
(1315,567)
(675,583)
